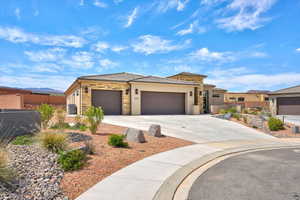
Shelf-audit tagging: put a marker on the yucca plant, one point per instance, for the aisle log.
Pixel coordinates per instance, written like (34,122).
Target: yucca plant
(94,116)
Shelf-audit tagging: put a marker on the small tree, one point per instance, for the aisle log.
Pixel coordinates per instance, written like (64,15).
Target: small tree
(94,117)
(46,112)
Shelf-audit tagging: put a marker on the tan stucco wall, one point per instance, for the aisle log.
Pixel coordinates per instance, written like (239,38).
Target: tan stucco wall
(248,97)
(156,87)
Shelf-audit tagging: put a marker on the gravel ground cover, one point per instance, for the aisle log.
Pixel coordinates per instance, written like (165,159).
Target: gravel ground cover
(37,175)
(108,160)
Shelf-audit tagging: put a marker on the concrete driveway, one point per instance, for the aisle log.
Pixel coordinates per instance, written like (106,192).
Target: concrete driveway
(195,128)
(294,119)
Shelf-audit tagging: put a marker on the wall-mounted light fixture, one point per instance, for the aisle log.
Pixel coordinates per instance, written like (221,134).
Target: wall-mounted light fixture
(200,93)
(191,93)
(136,91)
(77,92)
(86,89)
(127,91)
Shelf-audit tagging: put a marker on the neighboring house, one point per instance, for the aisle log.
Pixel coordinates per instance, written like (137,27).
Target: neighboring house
(285,101)
(15,98)
(134,94)
(213,97)
(250,99)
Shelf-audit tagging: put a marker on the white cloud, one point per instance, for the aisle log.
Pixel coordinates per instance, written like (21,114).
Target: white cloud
(130,19)
(16,35)
(18,13)
(244,82)
(81,2)
(108,64)
(118,48)
(193,28)
(204,54)
(101,46)
(298,50)
(165,5)
(46,55)
(258,54)
(100,4)
(247,14)
(47,67)
(81,59)
(150,44)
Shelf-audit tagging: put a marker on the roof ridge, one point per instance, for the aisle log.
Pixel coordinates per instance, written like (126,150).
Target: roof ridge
(104,74)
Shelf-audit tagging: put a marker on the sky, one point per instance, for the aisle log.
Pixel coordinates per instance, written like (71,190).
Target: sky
(239,44)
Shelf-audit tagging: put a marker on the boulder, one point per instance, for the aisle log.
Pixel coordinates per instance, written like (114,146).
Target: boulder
(134,135)
(155,130)
(295,129)
(227,116)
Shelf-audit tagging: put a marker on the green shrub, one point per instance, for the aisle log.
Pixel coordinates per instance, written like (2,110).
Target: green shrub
(72,160)
(117,141)
(46,111)
(6,173)
(23,140)
(222,111)
(54,142)
(236,116)
(231,110)
(60,126)
(79,126)
(82,127)
(275,124)
(94,117)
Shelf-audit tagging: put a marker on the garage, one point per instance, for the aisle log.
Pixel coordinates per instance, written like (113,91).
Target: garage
(110,101)
(288,105)
(162,103)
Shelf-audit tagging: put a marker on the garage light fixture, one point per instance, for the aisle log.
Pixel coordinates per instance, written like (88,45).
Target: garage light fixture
(191,93)
(86,89)
(127,91)
(136,91)
(200,93)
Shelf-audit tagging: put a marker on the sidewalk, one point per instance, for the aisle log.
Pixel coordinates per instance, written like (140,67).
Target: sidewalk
(143,179)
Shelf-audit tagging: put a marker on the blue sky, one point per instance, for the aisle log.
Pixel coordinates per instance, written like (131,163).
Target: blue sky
(239,44)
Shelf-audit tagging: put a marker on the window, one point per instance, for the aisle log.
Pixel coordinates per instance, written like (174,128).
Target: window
(241,99)
(267,99)
(232,98)
(216,95)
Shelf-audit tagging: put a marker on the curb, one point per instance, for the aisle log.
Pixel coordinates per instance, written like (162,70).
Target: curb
(170,185)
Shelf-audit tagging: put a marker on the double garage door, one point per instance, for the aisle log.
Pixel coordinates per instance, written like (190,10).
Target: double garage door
(288,106)
(152,103)
(162,103)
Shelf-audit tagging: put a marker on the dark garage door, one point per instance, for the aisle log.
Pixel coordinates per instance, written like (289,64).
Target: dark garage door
(163,103)
(288,106)
(110,101)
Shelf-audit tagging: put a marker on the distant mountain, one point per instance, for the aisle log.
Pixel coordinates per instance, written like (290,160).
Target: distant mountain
(45,90)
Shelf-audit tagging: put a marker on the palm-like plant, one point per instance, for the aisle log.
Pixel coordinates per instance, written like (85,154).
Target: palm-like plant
(94,117)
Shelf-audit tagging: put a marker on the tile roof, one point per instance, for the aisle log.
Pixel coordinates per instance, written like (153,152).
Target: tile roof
(290,90)
(189,74)
(129,77)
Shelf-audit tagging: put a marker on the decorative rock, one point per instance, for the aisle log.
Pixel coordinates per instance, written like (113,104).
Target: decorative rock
(295,129)
(155,130)
(134,135)
(227,116)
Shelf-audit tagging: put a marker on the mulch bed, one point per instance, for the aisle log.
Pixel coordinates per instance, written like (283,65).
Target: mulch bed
(108,160)
(286,133)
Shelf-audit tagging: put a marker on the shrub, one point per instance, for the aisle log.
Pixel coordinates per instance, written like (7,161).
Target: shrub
(236,116)
(23,140)
(6,174)
(79,126)
(60,116)
(82,127)
(275,124)
(222,111)
(117,141)
(54,142)
(60,126)
(231,110)
(94,117)
(46,112)
(72,160)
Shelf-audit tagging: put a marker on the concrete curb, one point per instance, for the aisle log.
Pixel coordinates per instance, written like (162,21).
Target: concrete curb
(170,185)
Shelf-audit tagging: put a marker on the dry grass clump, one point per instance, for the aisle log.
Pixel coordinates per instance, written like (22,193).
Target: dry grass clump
(5,172)
(54,141)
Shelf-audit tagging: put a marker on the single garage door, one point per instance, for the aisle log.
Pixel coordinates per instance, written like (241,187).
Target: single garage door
(162,103)
(110,101)
(288,106)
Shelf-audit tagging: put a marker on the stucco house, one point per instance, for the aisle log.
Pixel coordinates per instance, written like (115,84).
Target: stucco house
(213,97)
(134,94)
(285,101)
